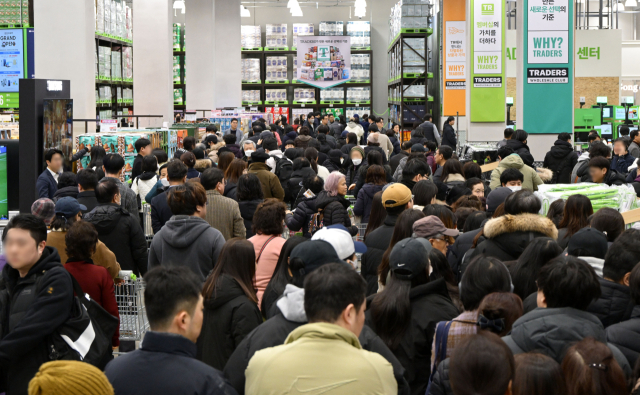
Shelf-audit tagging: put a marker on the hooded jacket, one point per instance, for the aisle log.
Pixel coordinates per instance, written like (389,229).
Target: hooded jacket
(247,209)
(33,307)
(333,164)
(614,304)
(289,136)
(365,200)
(71,191)
(430,304)
(334,210)
(361,176)
(621,163)
(270,183)
(229,316)
(579,169)
(551,331)
(561,159)
(626,336)
(377,242)
(531,177)
(506,237)
(299,219)
(290,314)
(521,149)
(355,128)
(187,241)
(302,141)
(120,231)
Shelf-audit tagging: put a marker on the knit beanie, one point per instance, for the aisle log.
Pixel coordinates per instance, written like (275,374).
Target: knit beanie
(359,149)
(70,378)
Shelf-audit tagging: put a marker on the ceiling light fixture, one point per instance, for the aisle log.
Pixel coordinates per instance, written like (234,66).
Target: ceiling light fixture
(244,12)
(631,3)
(291,3)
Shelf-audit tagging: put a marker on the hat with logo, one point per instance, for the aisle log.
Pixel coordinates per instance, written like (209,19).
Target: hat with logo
(69,207)
(340,240)
(408,258)
(396,195)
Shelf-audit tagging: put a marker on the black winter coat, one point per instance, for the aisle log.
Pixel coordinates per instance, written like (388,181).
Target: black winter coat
(396,146)
(377,242)
(352,174)
(334,210)
(370,148)
(440,383)
(247,209)
(299,219)
(614,178)
(430,304)
(33,307)
(449,136)
(120,231)
(66,192)
(561,159)
(626,336)
(333,166)
(346,149)
(294,184)
(521,149)
(365,201)
(362,176)
(88,199)
(456,252)
(614,305)
(229,316)
(230,190)
(395,160)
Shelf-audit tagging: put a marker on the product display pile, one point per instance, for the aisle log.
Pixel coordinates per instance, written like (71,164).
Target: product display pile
(621,198)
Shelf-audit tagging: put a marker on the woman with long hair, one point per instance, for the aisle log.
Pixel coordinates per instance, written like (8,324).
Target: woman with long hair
(576,214)
(333,204)
(236,168)
(445,214)
(97,154)
(556,211)
(377,215)
(375,181)
(230,303)
(281,277)
(225,159)
(402,230)
(452,174)
(403,314)
(525,270)
(424,193)
(312,156)
(608,221)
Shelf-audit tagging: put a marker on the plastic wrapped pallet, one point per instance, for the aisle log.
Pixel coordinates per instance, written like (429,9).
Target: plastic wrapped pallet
(119,20)
(107,16)
(114,23)
(622,198)
(127,61)
(100,16)
(129,24)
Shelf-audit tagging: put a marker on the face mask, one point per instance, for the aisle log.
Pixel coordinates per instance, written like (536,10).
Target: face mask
(356,161)
(248,153)
(353,263)
(341,160)
(515,189)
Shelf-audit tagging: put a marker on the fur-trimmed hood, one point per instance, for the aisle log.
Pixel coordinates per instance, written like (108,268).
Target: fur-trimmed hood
(545,174)
(520,223)
(454,177)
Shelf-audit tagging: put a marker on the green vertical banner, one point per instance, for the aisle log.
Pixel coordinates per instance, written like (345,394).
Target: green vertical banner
(488,82)
(547,91)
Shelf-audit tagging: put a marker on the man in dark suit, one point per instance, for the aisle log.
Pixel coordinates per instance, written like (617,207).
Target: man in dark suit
(47,183)
(160,211)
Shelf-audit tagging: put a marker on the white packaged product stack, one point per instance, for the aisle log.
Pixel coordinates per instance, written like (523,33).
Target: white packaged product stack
(359,95)
(360,32)
(127,61)
(297,112)
(116,65)
(119,20)
(107,16)
(360,67)
(331,28)
(100,16)
(113,20)
(412,62)
(129,24)
(251,96)
(276,68)
(250,69)
(276,95)
(351,111)
(304,95)
(410,14)
(332,94)
(276,36)
(302,29)
(250,36)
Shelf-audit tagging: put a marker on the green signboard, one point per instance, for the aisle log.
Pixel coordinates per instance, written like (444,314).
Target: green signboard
(547,92)
(9,100)
(488,82)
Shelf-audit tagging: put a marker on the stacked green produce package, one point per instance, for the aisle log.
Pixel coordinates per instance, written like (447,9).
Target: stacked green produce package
(622,198)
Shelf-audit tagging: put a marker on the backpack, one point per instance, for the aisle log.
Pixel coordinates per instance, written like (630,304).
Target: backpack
(283,171)
(315,223)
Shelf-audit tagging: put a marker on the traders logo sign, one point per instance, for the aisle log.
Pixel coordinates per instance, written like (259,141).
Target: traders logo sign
(487,9)
(487,82)
(558,75)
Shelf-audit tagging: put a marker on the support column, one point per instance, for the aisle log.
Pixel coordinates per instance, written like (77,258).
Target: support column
(79,47)
(153,61)
(213,54)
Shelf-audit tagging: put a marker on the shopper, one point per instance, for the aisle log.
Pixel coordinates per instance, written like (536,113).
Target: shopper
(267,240)
(332,336)
(47,183)
(519,146)
(601,172)
(509,160)
(415,171)
(44,209)
(271,186)
(525,270)
(160,210)
(403,153)
(443,154)
(358,161)
(68,212)
(118,229)
(333,204)
(375,180)
(249,196)
(608,221)
(432,229)
(429,130)
(402,313)
(81,241)
(230,304)
(235,169)
(385,143)
(591,246)
(305,208)
(97,156)
(448,133)
(537,374)
(634,147)
(69,377)
(67,186)
(187,239)
(354,127)
(452,174)
(113,166)
(189,159)
(165,362)
(302,141)
(508,134)
(232,145)
(233,130)
(622,159)
(561,159)
(556,211)
(143,147)
(373,144)
(577,211)
(626,335)
(222,213)
(37,299)
(301,171)
(143,184)
(580,172)
(87,181)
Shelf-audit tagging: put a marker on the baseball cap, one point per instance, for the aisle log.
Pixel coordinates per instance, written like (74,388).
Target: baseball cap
(418,148)
(396,195)
(315,253)
(497,197)
(69,207)
(588,242)
(432,226)
(341,241)
(408,258)
(44,209)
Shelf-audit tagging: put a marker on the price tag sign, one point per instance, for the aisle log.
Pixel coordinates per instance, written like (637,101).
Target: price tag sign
(9,100)
(108,125)
(331,105)
(303,105)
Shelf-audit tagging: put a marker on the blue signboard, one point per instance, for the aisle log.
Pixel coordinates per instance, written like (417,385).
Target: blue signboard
(31,73)
(11,59)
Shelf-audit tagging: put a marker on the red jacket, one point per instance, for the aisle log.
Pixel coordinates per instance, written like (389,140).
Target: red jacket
(96,281)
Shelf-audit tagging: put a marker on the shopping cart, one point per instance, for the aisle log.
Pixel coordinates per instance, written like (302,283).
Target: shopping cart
(133,315)
(362,228)
(146,222)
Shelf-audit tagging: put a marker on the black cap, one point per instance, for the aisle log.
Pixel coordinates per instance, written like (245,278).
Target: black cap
(497,197)
(408,258)
(315,253)
(588,242)
(258,156)
(418,148)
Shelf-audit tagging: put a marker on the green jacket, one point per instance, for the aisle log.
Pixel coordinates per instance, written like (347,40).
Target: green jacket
(270,183)
(531,177)
(319,358)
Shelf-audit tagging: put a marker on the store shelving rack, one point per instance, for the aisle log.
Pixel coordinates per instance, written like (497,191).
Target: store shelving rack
(115,105)
(291,83)
(408,108)
(181,108)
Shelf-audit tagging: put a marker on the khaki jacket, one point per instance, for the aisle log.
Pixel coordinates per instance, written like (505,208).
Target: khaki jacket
(531,177)
(102,257)
(224,214)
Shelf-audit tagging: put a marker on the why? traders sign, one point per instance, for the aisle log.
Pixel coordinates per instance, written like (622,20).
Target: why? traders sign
(324,61)
(548,31)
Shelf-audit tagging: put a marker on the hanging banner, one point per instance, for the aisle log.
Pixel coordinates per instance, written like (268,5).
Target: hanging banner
(488,83)
(454,58)
(324,61)
(548,66)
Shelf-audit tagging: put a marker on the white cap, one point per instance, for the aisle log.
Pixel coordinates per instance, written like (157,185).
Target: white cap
(341,240)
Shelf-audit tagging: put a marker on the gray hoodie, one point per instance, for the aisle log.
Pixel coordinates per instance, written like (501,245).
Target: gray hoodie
(291,304)
(186,241)
(581,159)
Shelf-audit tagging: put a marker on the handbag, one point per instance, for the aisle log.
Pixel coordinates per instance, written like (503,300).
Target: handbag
(86,336)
